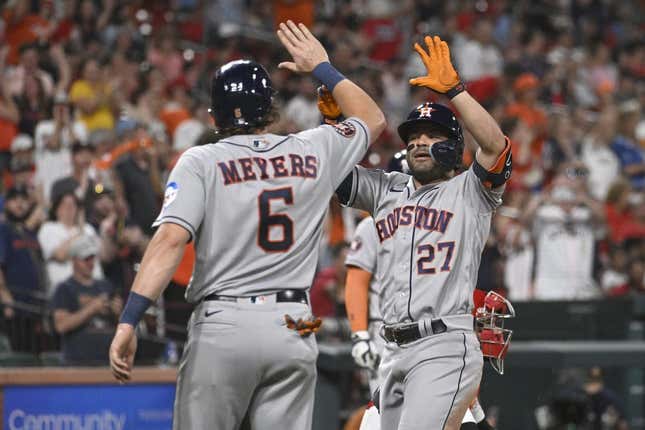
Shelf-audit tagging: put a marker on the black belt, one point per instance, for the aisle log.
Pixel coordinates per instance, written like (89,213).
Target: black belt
(406,333)
(284,296)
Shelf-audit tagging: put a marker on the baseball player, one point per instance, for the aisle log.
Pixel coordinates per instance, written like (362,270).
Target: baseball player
(432,226)
(254,204)
(361,300)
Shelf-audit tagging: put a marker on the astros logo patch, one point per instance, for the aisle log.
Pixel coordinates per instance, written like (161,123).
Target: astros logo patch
(345,129)
(171,194)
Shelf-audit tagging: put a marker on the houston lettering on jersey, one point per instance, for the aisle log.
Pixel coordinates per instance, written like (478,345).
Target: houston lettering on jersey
(259,168)
(422,217)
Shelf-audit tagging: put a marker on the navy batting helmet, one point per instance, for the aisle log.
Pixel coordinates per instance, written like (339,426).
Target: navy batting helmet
(398,162)
(448,152)
(241,95)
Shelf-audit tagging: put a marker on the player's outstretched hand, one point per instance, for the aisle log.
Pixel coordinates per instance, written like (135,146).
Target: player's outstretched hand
(306,50)
(122,351)
(441,75)
(364,351)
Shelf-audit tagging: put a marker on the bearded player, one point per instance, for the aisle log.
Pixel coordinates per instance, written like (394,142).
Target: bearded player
(432,227)
(361,301)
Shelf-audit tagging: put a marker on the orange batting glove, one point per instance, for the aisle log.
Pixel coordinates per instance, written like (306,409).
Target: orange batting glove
(442,76)
(327,105)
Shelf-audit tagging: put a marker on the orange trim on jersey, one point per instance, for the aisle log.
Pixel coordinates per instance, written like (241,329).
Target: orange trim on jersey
(499,164)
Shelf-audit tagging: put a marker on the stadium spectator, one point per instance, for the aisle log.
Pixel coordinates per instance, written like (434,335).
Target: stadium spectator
(9,117)
(301,110)
(85,309)
(614,280)
(479,57)
(599,159)
(516,245)
(79,182)
(123,241)
(28,67)
(562,146)
(57,236)
(22,275)
(165,56)
(22,27)
(632,158)
(563,225)
(22,162)
(54,139)
(33,105)
(93,96)
(139,177)
(621,221)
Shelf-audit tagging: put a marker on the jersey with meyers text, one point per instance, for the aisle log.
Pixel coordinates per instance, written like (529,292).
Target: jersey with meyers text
(281,185)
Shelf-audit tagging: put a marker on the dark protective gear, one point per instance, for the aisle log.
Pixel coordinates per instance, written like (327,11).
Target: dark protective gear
(241,95)
(447,153)
(398,163)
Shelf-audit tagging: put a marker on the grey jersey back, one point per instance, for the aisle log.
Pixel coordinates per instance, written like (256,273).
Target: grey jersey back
(364,253)
(255,204)
(435,236)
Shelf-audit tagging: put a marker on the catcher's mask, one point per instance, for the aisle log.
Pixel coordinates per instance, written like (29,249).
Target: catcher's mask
(494,338)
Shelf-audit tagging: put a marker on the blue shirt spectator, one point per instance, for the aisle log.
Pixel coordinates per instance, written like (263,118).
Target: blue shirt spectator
(630,155)
(85,309)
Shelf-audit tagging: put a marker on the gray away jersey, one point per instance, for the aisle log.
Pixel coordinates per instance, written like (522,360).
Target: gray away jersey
(255,205)
(435,235)
(364,253)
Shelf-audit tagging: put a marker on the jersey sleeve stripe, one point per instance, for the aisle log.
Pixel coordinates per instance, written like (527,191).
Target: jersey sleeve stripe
(499,164)
(176,220)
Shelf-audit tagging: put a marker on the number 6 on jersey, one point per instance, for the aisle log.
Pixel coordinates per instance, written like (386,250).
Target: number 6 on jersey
(281,220)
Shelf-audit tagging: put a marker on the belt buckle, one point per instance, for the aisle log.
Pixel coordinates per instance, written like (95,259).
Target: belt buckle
(397,335)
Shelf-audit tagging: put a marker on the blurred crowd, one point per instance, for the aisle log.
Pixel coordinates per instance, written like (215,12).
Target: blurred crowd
(98,98)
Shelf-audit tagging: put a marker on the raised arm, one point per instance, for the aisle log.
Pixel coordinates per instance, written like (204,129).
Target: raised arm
(310,56)
(443,79)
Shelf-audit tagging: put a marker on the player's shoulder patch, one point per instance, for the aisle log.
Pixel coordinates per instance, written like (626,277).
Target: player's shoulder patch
(345,129)
(171,194)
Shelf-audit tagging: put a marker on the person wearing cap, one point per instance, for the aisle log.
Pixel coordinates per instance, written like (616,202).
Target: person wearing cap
(85,309)
(563,223)
(22,274)
(22,148)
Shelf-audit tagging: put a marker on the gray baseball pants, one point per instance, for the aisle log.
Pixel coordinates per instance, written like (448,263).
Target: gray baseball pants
(431,382)
(241,360)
